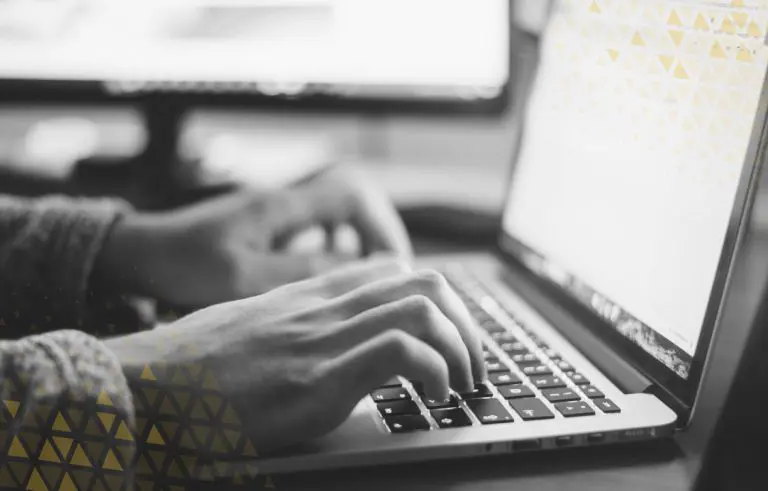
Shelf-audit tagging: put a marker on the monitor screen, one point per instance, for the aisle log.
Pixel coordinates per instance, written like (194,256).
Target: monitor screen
(418,48)
(634,143)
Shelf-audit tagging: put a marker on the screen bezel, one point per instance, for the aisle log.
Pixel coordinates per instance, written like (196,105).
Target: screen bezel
(679,393)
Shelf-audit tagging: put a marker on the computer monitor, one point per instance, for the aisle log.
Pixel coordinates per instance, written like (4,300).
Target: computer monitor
(314,52)
(165,56)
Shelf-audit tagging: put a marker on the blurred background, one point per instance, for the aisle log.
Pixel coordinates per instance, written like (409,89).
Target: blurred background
(421,92)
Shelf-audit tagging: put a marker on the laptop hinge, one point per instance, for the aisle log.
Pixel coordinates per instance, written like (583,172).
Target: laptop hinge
(617,369)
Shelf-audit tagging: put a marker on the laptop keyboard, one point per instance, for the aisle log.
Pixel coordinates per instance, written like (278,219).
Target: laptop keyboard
(523,384)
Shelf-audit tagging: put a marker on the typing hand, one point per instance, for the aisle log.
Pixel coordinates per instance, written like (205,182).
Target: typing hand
(235,246)
(296,360)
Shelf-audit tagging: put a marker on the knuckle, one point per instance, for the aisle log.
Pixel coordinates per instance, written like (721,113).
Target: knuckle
(398,345)
(421,307)
(431,281)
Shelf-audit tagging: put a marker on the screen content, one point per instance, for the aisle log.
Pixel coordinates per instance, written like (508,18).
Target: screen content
(440,47)
(635,141)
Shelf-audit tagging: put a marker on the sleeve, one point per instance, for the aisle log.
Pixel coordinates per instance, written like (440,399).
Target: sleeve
(48,248)
(67,418)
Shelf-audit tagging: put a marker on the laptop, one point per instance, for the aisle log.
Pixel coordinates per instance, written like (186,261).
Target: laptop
(629,198)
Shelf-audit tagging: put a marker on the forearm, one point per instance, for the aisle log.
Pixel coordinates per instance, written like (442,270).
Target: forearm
(48,255)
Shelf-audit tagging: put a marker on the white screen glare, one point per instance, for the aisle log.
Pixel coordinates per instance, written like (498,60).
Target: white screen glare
(355,42)
(634,145)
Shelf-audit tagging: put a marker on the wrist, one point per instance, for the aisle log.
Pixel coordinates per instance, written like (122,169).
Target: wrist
(124,264)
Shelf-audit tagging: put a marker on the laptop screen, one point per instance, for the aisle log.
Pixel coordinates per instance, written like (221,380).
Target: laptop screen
(634,143)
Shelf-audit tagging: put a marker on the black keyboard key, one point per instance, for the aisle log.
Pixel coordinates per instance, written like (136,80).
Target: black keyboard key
(451,418)
(398,408)
(607,406)
(573,409)
(506,378)
(579,379)
(531,409)
(560,395)
(489,411)
(515,391)
(391,394)
(496,367)
(526,359)
(564,366)
(405,424)
(435,404)
(593,392)
(504,337)
(481,391)
(547,382)
(515,348)
(537,370)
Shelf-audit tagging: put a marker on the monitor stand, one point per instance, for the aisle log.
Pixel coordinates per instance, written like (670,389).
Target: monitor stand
(158,177)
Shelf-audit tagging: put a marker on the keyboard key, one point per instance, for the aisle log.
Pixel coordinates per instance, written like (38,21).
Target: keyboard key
(515,348)
(526,359)
(593,392)
(547,382)
(435,404)
(537,370)
(564,366)
(560,395)
(573,409)
(490,357)
(552,354)
(531,409)
(507,378)
(451,418)
(405,424)
(579,379)
(515,391)
(481,391)
(496,367)
(391,394)
(607,406)
(504,337)
(489,411)
(395,382)
(398,408)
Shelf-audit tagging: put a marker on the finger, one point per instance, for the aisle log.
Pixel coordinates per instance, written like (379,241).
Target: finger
(419,317)
(379,225)
(356,274)
(391,353)
(435,287)
(342,195)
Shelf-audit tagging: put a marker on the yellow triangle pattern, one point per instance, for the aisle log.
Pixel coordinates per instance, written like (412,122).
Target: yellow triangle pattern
(154,437)
(674,19)
(17,449)
(104,399)
(63,444)
(701,23)
(595,8)
(36,482)
(123,433)
(79,458)
(48,454)
(110,462)
(147,374)
(13,407)
(666,61)
(717,51)
(107,419)
(67,484)
(60,424)
(637,39)
(680,72)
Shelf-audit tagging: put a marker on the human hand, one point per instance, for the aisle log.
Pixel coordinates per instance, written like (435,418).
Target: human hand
(297,360)
(235,245)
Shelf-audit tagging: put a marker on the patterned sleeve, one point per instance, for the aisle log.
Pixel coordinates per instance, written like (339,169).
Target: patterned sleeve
(67,416)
